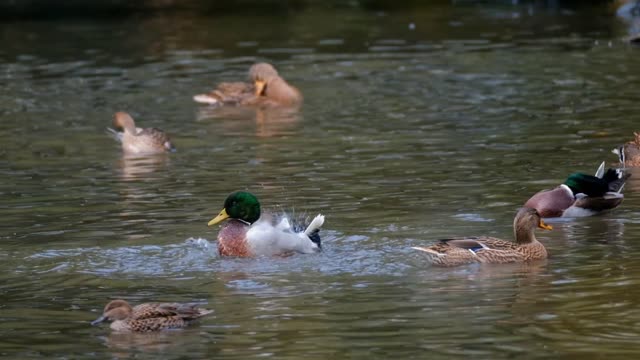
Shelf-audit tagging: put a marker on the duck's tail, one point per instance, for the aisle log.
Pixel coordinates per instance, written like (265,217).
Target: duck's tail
(313,229)
(206,99)
(117,135)
(615,179)
(620,152)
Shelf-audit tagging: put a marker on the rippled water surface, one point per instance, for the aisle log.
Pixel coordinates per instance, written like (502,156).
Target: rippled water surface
(419,122)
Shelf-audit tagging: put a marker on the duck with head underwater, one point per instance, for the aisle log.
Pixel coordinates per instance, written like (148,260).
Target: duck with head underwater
(248,233)
(581,194)
(490,250)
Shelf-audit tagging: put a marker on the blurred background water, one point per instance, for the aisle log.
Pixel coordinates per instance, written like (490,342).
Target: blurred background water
(421,120)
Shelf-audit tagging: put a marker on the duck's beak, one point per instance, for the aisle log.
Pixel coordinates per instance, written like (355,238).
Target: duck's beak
(259,85)
(543,225)
(98,320)
(223,215)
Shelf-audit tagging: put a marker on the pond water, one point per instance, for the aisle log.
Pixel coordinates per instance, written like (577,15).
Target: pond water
(418,123)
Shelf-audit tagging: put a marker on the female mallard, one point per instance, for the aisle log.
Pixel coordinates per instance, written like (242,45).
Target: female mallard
(267,88)
(484,249)
(581,195)
(137,141)
(248,234)
(629,153)
(149,316)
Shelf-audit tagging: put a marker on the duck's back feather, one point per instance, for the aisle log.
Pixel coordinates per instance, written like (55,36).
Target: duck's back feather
(459,251)
(227,93)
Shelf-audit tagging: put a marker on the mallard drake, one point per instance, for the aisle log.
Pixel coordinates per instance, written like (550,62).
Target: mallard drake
(267,88)
(249,234)
(581,194)
(149,317)
(138,141)
(490,250)
(629,153)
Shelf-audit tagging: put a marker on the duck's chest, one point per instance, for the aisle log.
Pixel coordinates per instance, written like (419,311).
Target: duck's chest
(232,239)
(120,325)
(535,251)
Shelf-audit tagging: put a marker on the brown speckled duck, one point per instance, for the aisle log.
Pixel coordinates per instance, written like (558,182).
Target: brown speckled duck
(149,317)
(248,234)
(490,250)
(267,88)
(581,195)
(629,153)
(138,141)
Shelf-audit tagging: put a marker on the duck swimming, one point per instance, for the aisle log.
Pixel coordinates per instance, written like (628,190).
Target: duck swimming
(581,194)
(629,153)
(247,233)
(490,250)
(138,141)
(149,317)
(267,88)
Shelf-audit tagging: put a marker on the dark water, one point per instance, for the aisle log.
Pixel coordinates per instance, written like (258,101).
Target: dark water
(423,122)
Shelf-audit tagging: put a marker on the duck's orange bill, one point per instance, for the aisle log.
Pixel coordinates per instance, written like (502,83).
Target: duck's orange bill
(259,84)
(541,225)
(223,215)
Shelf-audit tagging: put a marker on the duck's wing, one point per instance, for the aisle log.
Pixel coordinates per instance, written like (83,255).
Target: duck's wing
(268,238)
(227,93)
(156,138)
(168,310)
(609,201)
(186,311)
(477,243)
(150,310)
(235,90)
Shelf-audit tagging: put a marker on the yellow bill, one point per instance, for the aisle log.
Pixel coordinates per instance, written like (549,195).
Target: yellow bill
(541,225)
(259,85)
(223,215)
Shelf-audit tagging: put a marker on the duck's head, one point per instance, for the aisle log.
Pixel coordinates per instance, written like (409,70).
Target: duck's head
(527,219)
(115,310)
(261,74)
(122,120)
(240,205)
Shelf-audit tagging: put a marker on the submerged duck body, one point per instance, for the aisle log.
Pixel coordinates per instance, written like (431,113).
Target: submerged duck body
(149,317)
(248,233)
(490,250)
(266,88)
(581,195)
(139,141)
(629,153)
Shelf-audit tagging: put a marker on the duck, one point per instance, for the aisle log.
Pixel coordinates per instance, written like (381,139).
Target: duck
(149,317)
(490,250)
(581,194)
(249,233)
(629,152)
(139,141)
(267,88)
